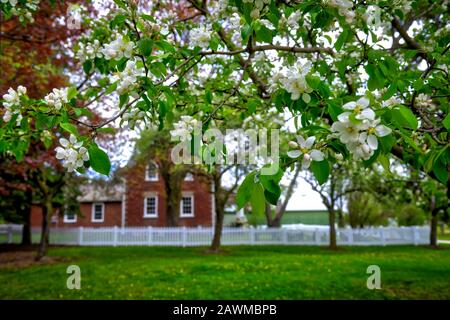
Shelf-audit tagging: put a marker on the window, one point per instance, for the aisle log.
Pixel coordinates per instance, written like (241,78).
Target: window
(151,172)
(151,207)
(189,177)
(98,212)
(70,217)
(187,206)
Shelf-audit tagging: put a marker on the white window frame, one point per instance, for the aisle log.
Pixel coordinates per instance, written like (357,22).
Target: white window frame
(147,178)
(147,215)
(192,214)
(189,177)
(66,220)
(93,212)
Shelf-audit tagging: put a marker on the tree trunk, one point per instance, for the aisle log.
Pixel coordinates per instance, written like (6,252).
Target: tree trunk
(433,222)
(26,231)
(433,229)
(219,205)
(331,222)
(46,217)
(275,222)
(215,244)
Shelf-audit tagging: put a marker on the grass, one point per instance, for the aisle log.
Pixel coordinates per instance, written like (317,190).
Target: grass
(290,217)
(259,272)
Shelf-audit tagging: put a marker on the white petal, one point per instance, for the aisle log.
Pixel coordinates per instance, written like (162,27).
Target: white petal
(78,144)
(363,102)
(64,142)
(305,163)
(366,114)
(372,142)
(343,117)
(349,105)
(317,155)
(382,130)
(300,140)
(73,139)
(294,154)
(309,142)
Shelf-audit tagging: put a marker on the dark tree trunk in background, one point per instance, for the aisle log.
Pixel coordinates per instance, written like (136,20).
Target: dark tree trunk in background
(219,207)
(331,222)
(215,244)
(433,230)
(433,222)
(26,231)
(45,232)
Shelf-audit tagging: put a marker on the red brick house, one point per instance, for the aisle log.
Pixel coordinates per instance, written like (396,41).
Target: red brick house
(138,201)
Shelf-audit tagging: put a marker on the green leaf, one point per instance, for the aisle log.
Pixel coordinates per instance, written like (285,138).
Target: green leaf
(272,198)
(404,117)
(387,142)
(69,128)
(107,130)
(244,190)
(246,31)
(72,93)
(440,170)
(264,34)
(341,39)
(87,66)
(321,170)
(145,46)
(257,199)
(99,160)
(446,122)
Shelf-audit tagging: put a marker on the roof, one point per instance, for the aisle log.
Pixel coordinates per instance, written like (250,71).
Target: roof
(101,193)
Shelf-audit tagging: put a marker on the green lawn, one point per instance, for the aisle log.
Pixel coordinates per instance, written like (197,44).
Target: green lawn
(259,272)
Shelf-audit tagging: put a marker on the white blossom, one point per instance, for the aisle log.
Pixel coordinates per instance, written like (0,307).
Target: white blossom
(392,101)
(57,98)
(422,100)
(305,147)
(295,83)
(344,8)
(360,149)
(184,128)
(72,153)
(200,37)
(127,79)
(347,131)
(359,108)
(12,104)
(89,50)
(118,48)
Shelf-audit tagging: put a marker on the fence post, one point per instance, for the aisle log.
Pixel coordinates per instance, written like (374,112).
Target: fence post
(252,236)
(10,234)
(150,238)
(382,238)
(184,236)
(350,236)
(284,236)
(80,236)
(317,236)
(116,231)
(416,235)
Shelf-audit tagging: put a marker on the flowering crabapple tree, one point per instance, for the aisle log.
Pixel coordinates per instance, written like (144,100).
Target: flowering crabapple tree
(364,80)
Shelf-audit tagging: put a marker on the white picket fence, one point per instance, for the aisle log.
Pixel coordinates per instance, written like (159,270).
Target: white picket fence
(148,236)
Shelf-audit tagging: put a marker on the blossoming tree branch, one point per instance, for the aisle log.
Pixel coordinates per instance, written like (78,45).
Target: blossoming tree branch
(365,81)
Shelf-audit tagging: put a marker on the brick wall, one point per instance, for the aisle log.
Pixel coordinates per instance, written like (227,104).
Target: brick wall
(112,216)
(138,188)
